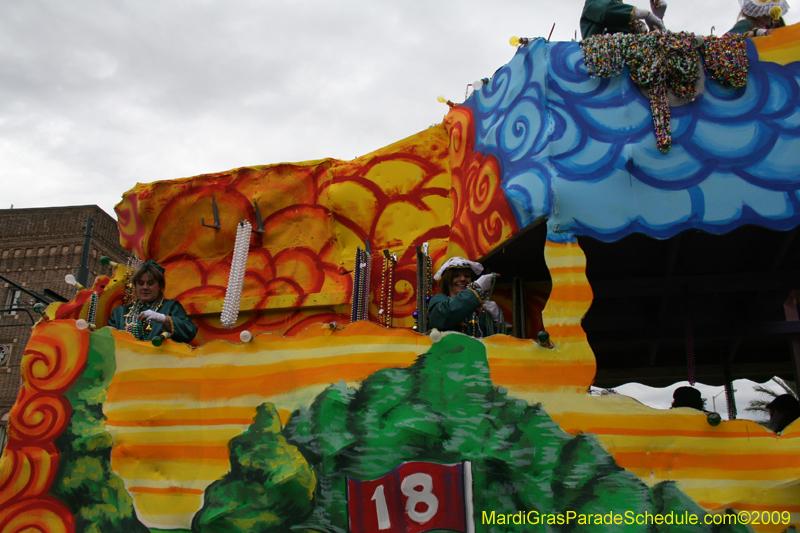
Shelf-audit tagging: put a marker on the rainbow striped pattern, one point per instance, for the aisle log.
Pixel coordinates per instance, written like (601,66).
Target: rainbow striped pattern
(782,47)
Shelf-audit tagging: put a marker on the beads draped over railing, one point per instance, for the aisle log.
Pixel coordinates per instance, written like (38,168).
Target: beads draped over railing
(662,61)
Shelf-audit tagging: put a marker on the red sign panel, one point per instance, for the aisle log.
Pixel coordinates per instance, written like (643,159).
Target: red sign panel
(413,498)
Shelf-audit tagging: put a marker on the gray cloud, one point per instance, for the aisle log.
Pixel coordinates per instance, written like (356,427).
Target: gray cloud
(97,95)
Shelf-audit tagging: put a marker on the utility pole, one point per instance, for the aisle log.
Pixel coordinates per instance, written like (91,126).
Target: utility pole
(83,270)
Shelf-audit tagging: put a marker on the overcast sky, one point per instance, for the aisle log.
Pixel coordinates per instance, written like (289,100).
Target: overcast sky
(98,95)
(661,398)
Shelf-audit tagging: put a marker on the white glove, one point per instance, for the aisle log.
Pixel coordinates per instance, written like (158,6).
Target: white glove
(485,282)
(653,22)
(760,32)
(658,7)
(152,316)
(494,311)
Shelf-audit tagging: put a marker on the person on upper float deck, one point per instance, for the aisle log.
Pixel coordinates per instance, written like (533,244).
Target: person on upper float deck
(152,314)
(758,18)
(688,397)
(463,304)
(612,16)
(783,410)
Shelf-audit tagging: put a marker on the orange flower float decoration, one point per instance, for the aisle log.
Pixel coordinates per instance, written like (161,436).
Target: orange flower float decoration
(54,358)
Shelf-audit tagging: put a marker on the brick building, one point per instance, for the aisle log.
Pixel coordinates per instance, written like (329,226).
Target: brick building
(38,247)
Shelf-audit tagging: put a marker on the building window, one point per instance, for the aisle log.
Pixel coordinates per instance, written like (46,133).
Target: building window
(12,300)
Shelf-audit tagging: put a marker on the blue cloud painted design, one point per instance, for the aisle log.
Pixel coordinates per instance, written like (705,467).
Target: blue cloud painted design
(581,153)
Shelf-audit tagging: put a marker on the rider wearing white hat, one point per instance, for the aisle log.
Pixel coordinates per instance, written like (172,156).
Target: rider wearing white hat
(463,303)
(758,17)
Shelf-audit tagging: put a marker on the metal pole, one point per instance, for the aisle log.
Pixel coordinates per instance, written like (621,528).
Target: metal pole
(83,271)
(35,295)
(792,313)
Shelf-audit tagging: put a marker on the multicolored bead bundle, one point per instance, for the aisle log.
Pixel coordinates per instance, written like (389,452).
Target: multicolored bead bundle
(140,328)
(233,293)
(725,59)
(664,60)
(385,313)
(360,303)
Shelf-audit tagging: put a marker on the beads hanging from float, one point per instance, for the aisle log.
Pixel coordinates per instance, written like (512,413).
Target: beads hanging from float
(233,294)
(385,313)
(91,315)
(662,60)
(424,289)
(359,309)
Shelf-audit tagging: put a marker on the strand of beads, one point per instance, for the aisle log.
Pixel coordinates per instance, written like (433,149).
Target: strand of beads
(428,290)
(491,328)
(387,296)
(418,314)
(355,304)
(382,310)
(424,288)
(387,289)
(491,289)
(362,263)
(472,326)
(360,304)
(390,291)
(91,315)
(137,329)
(429,284)
(130,291)
(488,325)
(367,266)
(233,293)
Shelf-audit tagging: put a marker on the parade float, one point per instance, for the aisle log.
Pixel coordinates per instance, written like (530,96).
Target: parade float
(314,397)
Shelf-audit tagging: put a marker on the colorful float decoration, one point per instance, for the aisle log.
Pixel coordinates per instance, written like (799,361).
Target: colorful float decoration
(317,402)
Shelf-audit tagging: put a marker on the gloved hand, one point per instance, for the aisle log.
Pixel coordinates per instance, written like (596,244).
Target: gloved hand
(653,22)
(761,32)
(494,311)
(658,7)
(152,316)
(485,281)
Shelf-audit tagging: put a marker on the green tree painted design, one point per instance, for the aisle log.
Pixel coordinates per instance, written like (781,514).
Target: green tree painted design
(445,409)
(269,488)
(84,480)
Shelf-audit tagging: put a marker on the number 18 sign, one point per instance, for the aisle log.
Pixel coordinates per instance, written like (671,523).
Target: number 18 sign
(414,497)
